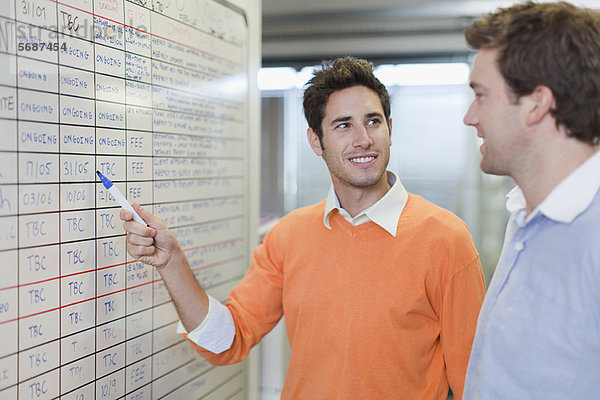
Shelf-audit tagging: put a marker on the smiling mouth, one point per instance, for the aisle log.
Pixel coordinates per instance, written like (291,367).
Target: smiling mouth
(362,160)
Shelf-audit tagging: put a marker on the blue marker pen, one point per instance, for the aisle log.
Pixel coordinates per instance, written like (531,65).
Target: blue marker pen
(112,189)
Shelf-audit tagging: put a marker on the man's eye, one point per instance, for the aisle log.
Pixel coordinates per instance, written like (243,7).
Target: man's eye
(342,126)
(374,121)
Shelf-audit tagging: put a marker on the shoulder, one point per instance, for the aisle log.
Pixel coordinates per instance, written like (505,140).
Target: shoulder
(591,216)
(583,233)
(427,215)
(300,219)
(304,215)
(436,230)
(441,238)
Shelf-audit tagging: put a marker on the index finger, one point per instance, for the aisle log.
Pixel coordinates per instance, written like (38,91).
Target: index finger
(136,228)
(125,215)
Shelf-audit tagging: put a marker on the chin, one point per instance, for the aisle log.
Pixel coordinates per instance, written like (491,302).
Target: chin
(367,181)
(486,168)
(491,170)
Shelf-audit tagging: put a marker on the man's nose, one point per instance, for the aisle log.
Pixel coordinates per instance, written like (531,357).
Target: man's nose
(362,137)
(470,117)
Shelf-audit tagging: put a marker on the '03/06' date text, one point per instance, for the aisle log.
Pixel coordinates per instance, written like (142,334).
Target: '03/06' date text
(42,46)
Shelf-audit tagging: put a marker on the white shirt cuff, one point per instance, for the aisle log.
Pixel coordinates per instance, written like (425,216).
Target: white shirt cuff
(216,332)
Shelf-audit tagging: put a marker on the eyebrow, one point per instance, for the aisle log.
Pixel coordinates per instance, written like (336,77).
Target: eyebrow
(340,119)
(348,118)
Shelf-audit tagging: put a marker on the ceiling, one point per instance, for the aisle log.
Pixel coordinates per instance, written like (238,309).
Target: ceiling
(303,32)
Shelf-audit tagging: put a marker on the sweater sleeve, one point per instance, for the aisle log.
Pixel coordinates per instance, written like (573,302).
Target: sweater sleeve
(462,299)
(255,304)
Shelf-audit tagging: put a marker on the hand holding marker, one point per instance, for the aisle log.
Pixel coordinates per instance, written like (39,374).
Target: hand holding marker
(112,189)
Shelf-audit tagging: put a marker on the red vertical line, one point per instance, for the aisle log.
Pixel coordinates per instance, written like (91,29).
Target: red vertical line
(94,185)
(152,269)
(126,181)
(59,215)
(18,203)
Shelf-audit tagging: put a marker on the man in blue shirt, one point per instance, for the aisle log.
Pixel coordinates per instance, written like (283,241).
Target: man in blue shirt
(536,80)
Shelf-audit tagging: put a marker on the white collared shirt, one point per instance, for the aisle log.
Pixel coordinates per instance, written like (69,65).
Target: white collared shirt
(385,212)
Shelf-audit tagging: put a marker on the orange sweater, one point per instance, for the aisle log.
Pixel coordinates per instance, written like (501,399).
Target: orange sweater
(368,316)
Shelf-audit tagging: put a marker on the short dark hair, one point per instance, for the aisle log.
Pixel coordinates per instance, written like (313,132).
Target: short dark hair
(341,73)
(551,44)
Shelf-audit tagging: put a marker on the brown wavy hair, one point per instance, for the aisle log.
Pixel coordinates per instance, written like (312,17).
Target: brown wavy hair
(551,44)
(339,74)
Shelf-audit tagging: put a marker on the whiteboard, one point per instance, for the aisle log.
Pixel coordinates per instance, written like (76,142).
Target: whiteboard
(153,94)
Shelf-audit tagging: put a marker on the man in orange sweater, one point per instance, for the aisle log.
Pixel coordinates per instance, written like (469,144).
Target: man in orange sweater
(380,289)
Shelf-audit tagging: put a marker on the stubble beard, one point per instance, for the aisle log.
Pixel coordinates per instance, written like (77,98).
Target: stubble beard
(343,174)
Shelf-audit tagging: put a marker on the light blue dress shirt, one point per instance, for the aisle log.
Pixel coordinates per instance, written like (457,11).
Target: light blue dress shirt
(538,333)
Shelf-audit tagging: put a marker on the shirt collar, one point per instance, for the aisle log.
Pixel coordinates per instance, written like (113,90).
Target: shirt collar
(385,212)
(568,199)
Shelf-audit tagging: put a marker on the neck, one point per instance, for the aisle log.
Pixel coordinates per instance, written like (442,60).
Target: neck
(356,199)
(549,166)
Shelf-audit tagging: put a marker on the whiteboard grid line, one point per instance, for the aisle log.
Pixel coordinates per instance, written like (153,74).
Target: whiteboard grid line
(62,235)
(151,34)
(202,267)
(18,377)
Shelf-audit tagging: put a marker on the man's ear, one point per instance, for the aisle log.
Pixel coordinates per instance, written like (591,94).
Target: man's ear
(539,103)
(314,142)
(390,126)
